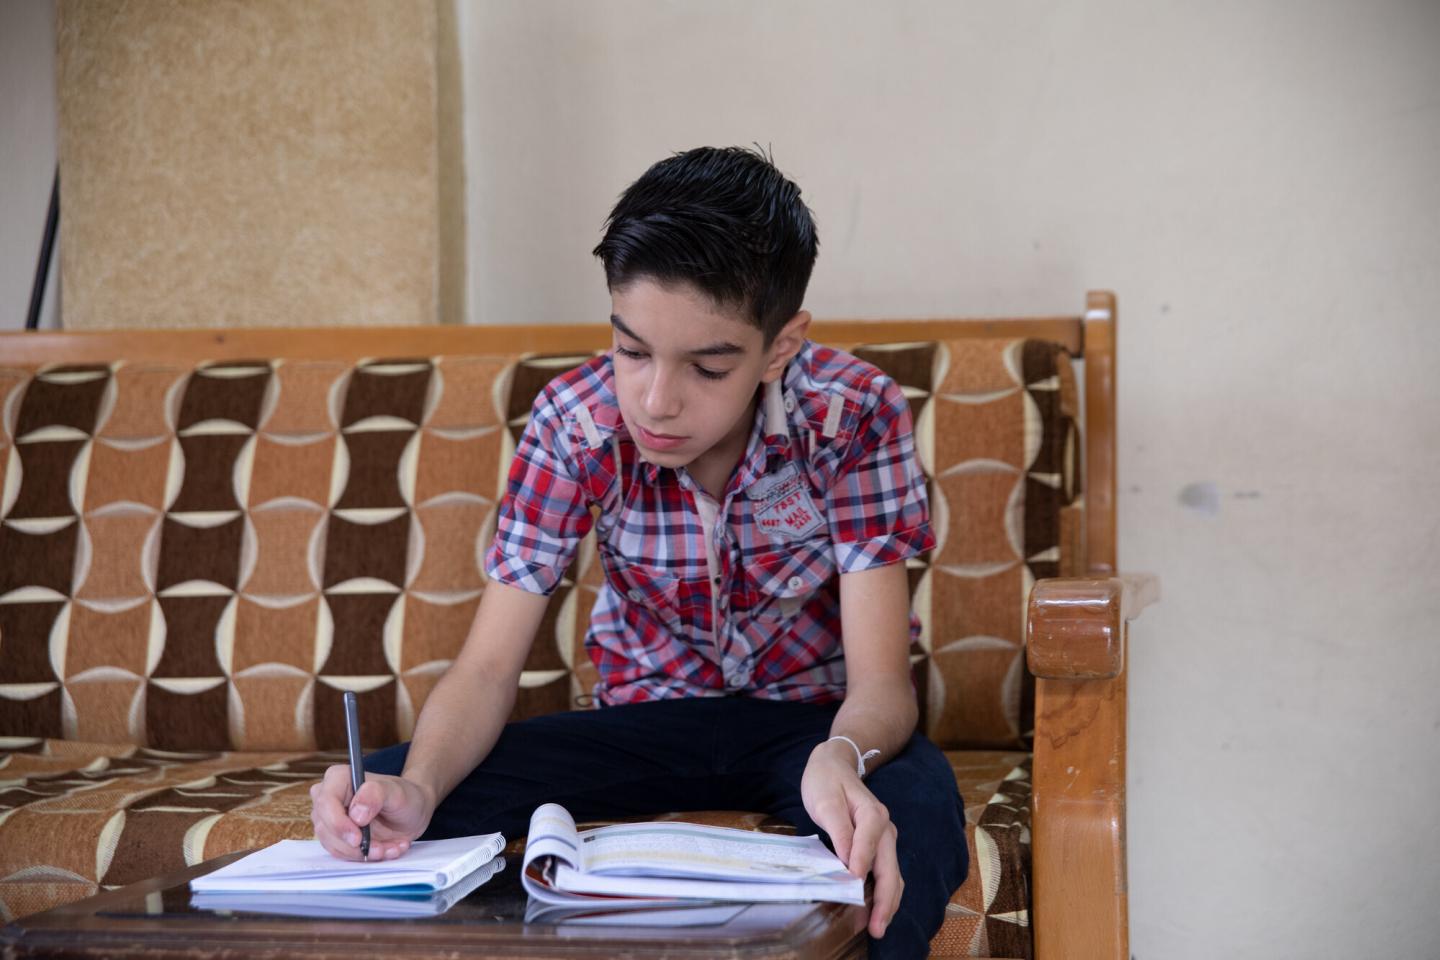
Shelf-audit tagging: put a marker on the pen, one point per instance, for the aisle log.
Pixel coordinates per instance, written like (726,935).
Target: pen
(357,769)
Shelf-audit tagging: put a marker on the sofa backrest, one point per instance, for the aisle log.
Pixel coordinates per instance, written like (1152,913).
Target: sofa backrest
(207,554)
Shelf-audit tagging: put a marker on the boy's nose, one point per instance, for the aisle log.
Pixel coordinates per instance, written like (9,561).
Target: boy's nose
(662,398)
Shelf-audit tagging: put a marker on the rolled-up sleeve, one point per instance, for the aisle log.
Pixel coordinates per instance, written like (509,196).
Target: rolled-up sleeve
(543,515)
(877,507)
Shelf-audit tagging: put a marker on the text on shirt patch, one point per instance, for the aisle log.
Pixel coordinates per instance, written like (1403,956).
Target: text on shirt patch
(784,509)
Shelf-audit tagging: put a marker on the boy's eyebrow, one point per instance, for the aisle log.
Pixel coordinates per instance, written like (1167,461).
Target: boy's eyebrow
(724,348)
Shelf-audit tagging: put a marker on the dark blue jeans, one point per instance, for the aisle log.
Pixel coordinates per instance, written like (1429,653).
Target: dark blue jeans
(709,754)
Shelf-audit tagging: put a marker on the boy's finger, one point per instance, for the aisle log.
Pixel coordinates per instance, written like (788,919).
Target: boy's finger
(872,819)
(388,849)
(889,885)
(834,819)
(329,814)
(337,781)
(328,811)
(336,849)
(331,837)
(869,824)
(367,804)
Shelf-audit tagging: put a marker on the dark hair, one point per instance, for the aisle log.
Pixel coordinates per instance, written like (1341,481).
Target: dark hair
(722,219)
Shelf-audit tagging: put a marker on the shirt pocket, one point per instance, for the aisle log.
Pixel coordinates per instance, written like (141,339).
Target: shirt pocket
(651,589)
(778,583)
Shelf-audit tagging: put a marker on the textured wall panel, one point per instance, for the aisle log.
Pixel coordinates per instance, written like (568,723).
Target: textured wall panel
(250,164)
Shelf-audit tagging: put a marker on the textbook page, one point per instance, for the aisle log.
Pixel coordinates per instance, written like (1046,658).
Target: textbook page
(553,843)
(673,860)
(673,849)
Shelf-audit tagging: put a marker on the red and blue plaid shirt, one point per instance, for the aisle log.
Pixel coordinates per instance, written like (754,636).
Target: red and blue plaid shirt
(707,598)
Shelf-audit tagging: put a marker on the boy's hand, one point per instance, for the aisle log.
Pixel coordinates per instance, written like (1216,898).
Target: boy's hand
(858,825)
(396,809)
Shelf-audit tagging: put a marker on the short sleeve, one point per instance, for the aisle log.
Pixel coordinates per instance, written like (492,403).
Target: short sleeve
(877,508)
(543,514)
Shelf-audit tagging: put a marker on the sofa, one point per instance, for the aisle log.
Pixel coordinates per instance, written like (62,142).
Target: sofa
(207,536)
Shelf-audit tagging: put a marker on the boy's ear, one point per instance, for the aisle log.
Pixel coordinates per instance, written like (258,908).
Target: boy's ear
(787,343)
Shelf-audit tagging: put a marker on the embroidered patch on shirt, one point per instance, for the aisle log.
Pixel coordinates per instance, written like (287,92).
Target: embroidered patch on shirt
(784,509)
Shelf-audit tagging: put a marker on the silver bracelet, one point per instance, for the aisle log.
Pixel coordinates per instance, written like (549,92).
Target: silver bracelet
(860,758)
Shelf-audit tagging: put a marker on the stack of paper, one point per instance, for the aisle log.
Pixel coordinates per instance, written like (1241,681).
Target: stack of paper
(349,904)
(300,877)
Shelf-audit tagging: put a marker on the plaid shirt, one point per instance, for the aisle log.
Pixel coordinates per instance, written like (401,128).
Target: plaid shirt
(706,597)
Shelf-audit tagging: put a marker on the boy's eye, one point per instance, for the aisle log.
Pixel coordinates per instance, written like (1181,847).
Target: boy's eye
(705,372)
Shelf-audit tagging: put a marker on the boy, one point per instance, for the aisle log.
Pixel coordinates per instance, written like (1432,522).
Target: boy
(757,496)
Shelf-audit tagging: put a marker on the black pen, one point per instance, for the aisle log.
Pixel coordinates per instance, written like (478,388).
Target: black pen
(357,769)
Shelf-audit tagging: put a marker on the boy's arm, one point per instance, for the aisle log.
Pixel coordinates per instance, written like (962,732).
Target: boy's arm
(466,711)
(879,713)
(461,720)
(541,519)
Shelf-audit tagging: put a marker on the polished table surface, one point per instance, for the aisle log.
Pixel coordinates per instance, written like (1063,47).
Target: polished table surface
(154,919)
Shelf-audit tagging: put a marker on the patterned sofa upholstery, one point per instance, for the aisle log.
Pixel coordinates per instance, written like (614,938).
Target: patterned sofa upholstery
(198,558)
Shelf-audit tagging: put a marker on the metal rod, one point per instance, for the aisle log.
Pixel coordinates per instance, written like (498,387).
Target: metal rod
(47,247)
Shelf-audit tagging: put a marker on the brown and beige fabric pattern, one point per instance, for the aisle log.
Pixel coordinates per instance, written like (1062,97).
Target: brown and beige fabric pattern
(208,558)
(78,816)
(995,429)
(195,563)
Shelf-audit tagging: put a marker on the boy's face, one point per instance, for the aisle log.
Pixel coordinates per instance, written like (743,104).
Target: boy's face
(686,373)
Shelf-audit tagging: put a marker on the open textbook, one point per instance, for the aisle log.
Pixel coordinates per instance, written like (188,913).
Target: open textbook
(303,866)
(350,904)
(663,863)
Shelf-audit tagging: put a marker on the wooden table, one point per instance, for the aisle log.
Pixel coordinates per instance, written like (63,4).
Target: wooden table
(154,920)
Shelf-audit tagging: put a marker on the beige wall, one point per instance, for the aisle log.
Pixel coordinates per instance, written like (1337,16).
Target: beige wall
(27,155)
(1258,183)
(265,163)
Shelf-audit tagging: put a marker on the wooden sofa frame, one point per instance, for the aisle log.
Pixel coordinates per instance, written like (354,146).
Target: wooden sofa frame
(1076,627)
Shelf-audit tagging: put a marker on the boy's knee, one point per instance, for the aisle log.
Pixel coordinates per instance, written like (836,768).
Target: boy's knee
(920,776)
(924,801)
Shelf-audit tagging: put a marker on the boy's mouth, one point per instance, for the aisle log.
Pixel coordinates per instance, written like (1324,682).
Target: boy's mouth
(657,441)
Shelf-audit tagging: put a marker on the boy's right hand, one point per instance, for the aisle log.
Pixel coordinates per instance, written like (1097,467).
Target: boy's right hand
(397,810)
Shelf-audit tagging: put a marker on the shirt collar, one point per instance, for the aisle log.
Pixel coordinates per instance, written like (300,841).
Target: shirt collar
(770,434)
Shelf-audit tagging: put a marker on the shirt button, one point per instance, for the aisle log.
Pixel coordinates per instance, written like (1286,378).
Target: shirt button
(795,583)
(636,595)
(789,403)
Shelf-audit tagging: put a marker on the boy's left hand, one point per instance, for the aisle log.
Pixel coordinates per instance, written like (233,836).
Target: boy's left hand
(858,825)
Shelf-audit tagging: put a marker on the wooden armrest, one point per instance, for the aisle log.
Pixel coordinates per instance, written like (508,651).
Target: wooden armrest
(1076,625)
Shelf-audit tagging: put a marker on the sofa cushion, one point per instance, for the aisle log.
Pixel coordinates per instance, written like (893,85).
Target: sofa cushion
(989,916)
(76,817)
